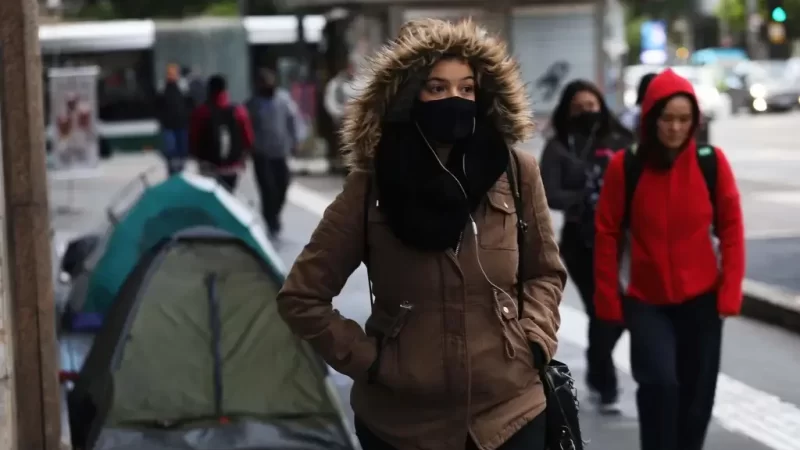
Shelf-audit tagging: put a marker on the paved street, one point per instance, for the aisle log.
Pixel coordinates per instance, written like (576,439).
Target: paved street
(765,154)
(759,392)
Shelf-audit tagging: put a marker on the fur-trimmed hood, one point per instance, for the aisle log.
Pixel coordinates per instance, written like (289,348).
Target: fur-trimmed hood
(398,71)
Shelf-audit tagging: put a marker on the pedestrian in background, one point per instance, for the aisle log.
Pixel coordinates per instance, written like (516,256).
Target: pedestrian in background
(196,86)
(338,92)
(585,136)
(275,132)
(630,118)
(220,135)
(174,109)
(457,337)
(670,238)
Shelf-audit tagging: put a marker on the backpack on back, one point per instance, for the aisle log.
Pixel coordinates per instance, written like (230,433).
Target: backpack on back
(221,144)
(633,167)
(597,164)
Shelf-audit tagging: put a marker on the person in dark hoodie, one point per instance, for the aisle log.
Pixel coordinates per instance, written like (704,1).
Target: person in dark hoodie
(174,109)
(275,140)
(220,135)
(585,136)
(671,240)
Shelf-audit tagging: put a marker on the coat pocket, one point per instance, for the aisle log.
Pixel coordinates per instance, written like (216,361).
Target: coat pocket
(499,231)
(386,328)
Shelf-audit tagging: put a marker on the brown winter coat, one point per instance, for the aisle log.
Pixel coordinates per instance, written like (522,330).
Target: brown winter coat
(454,359)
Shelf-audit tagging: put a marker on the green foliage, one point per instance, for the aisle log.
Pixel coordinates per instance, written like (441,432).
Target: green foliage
(658,8)
(633,34)
(228,8)
(140,9)
(734,11)
(96,11)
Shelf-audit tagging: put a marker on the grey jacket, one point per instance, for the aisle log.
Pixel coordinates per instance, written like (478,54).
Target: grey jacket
(274,125)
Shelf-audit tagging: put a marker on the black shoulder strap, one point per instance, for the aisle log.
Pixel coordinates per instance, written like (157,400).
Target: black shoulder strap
(632,169)
(514,174)
(367,202)
(707,159)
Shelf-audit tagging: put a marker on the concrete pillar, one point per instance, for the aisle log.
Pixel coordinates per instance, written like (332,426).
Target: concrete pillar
(30,318)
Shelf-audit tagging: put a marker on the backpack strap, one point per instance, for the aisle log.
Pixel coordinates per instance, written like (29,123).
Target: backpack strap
(514,174)
(632,170)
(367,202)
(707,160)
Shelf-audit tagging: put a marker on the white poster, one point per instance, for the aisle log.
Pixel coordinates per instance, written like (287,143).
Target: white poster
(73,117)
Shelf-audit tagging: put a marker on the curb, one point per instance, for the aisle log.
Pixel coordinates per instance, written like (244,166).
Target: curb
(772,305)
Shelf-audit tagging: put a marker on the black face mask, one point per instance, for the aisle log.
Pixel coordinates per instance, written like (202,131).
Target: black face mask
(445,121)
(585,122)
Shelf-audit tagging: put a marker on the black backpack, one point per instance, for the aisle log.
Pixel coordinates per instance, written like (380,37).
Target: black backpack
(221,141)
(562,418)
(633,167)
(595,173)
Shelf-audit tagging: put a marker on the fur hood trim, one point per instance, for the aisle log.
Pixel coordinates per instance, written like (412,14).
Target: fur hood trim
(397,71)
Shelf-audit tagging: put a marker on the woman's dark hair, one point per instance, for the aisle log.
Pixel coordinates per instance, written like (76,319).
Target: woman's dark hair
(650,149)
(559,121)
(643,84)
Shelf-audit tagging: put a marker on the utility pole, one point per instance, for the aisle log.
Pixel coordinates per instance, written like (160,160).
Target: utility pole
(28,320)
(753,28)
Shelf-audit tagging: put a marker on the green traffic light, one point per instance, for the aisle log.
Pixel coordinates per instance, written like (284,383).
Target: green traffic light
(778,14)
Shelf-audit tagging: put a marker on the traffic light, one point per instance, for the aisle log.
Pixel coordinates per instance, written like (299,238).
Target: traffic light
(776,11)
(779,14)
(776,30)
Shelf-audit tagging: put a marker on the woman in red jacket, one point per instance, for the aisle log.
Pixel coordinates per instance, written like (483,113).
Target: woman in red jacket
(670,240)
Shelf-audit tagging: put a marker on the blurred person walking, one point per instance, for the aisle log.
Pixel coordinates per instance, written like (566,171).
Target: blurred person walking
(670,238)
(338,92)
(444,212)
(275,131)
(220,135)
(586,136)
(174,108)
(630,118)
(196,86)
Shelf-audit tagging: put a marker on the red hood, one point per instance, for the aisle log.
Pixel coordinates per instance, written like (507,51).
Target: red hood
(665,85)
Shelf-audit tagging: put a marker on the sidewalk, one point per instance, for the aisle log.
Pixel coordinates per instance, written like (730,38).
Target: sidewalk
(621,433)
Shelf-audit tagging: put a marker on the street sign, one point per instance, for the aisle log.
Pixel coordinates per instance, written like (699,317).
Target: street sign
(776,32)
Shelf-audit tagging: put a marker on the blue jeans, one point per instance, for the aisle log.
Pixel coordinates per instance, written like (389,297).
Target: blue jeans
(175,149)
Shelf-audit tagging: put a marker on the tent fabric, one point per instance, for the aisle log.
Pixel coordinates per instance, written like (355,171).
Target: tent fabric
(173,318)
(245,435)
(182,201)
(151,374)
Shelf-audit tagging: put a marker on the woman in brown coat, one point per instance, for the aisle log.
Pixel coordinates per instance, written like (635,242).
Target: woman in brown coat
(447,361)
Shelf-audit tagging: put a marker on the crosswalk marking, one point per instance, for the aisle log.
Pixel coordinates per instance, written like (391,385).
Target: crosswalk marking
(739,408)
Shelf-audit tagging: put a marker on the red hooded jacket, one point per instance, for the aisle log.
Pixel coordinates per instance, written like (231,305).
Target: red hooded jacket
(669,254)
(199,121)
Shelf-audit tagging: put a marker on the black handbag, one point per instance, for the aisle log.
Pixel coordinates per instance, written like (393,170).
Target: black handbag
(563,427)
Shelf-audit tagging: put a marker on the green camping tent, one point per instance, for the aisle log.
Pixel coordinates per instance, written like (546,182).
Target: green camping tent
(194,337)
(183,201)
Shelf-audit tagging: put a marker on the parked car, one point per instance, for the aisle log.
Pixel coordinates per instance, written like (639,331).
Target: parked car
(762,86)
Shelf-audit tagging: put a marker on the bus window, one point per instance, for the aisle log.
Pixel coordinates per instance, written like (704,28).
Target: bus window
(125,90)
